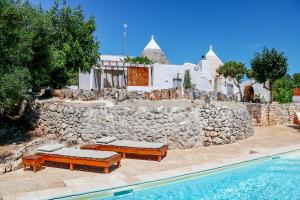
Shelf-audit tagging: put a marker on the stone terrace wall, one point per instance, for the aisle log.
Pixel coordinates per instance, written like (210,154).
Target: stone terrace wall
(259,114)
(109,93)
(282,113)
(272,114)
(180,127)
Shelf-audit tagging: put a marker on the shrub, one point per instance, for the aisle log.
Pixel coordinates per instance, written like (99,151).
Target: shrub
(283,90)
(187,83)
(14,86)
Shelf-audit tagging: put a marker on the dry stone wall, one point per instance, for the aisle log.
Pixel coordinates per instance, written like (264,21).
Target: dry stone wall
(272,114)
(180,127)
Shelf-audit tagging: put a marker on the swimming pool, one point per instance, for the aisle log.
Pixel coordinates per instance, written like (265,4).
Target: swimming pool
(271,178)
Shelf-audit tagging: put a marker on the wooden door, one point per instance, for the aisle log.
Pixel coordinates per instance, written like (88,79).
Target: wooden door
(138,76)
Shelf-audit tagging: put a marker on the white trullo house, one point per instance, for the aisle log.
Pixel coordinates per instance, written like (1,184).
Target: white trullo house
(159,75)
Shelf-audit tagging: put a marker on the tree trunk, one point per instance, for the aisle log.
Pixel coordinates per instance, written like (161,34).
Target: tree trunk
(241,97)
(239,87)
(271,91)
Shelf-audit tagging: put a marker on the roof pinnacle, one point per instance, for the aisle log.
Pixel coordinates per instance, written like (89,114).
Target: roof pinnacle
(152,44)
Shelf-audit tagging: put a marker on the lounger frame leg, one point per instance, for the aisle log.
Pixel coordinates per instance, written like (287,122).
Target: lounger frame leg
(34,168)
(159,158)
(71,167)
(106,170)
(118,164)
(41,166)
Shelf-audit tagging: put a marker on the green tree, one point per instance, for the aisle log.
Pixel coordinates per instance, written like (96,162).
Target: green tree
(283,90)
(187,82)
(268,66)
(234,70)
(74,45)
(25,34)
(25,52)
(13,90)
(39,48)
(138,60)
(249,73)
(296,80)
(42,60)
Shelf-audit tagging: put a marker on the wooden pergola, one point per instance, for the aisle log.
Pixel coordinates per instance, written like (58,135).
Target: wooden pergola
(132,73)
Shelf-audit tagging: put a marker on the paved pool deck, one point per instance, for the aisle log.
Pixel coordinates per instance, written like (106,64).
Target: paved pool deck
(52,182)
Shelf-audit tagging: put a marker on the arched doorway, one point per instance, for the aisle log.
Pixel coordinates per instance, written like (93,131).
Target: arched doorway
(248,93)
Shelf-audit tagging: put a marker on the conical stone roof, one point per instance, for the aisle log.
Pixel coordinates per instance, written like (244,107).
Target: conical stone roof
(213,61)
(153,52)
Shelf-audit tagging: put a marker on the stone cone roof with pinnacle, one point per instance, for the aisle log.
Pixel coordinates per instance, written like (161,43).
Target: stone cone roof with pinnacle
(153,52)
(213,60)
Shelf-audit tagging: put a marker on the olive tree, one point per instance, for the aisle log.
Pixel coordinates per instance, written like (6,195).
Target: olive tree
(234,70)
(25,53)
(41,48)
(268,66)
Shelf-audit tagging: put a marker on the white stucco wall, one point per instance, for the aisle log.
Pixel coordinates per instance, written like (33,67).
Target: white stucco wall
(140,88)
(296,99)
(163,75)
(230,81)
(199,78)
(85,81)
(88,81)
(258,89)
(204,68)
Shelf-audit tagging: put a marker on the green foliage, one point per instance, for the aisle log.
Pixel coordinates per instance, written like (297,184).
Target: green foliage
(40,49)
(269,65)
(187,82)
(296,79)
(25,35)
(25,52)
(13,89)
(233,69)
(138,60)
(283,88)
(249,73)
(74,45)
(74,80)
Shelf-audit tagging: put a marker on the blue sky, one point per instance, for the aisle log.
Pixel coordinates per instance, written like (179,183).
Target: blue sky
(184,29)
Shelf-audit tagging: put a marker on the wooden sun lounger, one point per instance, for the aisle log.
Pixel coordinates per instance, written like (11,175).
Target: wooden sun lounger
(149,153)
(74,160)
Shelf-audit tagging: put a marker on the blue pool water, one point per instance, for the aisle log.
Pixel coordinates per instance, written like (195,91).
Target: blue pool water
(271,179)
